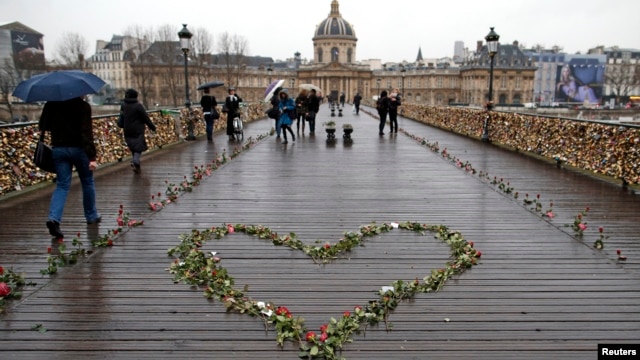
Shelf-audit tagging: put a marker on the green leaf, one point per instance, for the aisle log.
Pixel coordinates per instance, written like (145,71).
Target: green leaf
(314,351)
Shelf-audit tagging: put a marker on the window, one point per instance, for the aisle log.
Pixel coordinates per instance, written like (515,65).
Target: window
(503,82)
(516,99)
(319,55)
(334,54)
(349,55)
(518,82)
(439,83)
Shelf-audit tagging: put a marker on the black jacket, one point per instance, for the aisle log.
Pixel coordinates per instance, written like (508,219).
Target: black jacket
(313,103)
(135,120)
(208,102)
(70,124)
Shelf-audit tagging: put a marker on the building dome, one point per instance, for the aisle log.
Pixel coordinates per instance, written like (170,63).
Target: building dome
(334,25)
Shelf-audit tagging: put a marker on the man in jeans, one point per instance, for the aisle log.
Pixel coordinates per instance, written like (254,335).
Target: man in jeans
(72,141)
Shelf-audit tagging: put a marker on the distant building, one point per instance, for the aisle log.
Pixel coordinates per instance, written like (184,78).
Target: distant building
(622,79)
(513,75)
(23,45)
(458,51)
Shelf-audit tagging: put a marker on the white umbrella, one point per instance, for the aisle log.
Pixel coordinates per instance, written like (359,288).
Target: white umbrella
(310,87)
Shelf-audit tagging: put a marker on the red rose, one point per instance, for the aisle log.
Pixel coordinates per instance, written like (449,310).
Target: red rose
(310,336)
(323,337)
(1,270)
(109,242)
(323,328)
(4,289)
(346,314)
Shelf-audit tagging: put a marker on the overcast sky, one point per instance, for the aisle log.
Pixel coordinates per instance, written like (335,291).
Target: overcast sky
(390,30)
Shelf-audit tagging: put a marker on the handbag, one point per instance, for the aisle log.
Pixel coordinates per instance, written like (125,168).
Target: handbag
(43,156)
(311,116)
(215,115)
(225,109)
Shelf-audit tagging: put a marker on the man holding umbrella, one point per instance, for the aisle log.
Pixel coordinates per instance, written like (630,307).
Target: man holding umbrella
(72,140)
(68,117)
(208,103)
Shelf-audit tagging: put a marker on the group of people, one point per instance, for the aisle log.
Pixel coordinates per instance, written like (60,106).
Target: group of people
(388,104)
(284,110)
(231,107)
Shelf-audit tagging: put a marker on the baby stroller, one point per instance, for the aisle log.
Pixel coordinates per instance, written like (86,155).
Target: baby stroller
(238,126)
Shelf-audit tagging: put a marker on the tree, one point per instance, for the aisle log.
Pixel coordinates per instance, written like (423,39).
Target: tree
(622,78)
(168,58)
(233,49)
(8,82)
(141,62)
(71,50)
(202,45)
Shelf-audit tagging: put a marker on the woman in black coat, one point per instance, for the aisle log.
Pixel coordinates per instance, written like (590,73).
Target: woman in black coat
(233,110)
(135,118)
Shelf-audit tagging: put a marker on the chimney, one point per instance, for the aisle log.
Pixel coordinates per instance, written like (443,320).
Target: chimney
(515,43)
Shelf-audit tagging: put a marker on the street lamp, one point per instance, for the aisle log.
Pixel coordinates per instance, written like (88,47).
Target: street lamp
(291,83)
(269,71)
(492,48)
(403,70)
(185,37)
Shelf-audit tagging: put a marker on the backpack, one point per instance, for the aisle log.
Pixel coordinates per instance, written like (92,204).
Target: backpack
(380,105)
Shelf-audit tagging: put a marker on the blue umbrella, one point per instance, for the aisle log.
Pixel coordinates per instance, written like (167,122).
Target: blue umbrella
(58,86)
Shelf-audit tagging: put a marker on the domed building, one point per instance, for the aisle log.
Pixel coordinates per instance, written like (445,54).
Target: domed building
(334,39)
(334,67)
(336,70)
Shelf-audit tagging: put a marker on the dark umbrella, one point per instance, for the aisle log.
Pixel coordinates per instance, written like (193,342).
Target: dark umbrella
(271,88)
(212,84)
(58,86)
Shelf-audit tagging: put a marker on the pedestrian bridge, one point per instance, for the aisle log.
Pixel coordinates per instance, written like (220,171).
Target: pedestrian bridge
(539,290)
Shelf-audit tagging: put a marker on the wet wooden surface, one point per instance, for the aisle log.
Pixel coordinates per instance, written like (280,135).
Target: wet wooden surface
(538,293)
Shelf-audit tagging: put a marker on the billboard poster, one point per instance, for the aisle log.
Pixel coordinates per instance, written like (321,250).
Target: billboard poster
(28,50)
(580,80)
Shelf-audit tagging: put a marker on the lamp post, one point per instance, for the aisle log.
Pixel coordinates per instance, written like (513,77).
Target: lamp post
(403,70)
(269,71)
(292,82)
(366,90)
(185,37)
(492,48)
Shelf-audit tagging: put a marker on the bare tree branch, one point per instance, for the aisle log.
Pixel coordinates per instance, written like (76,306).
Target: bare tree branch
(202,45)
(141,63)
(71,50)
(8,82)
(233,49)
(622,78)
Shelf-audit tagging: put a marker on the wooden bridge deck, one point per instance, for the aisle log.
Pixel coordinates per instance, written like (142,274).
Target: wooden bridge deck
(538,292)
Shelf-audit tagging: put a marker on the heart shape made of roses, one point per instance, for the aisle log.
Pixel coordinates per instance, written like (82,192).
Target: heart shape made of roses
(199,268)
